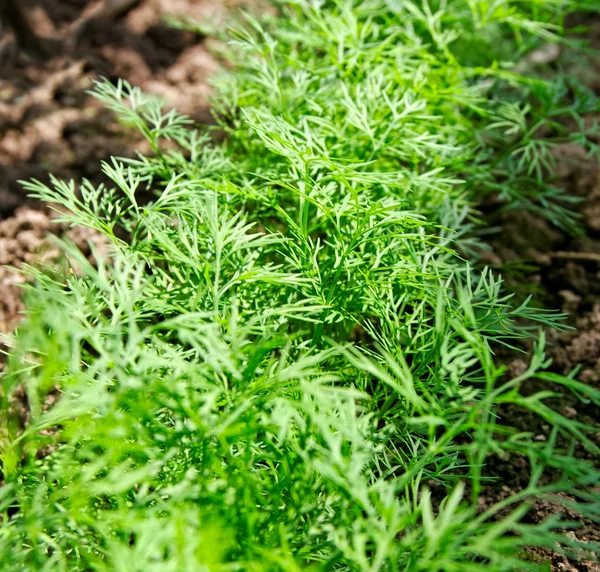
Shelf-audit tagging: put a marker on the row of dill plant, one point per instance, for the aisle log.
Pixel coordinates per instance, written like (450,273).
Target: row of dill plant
(287,365)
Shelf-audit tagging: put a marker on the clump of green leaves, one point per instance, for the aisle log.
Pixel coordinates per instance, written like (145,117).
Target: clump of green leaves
(288,355)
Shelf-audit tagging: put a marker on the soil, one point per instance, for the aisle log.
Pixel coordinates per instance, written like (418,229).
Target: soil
(562,272)
(47,120)
(48,123)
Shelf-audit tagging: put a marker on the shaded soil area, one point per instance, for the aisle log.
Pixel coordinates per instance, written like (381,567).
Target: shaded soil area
(48,123)
(562,272)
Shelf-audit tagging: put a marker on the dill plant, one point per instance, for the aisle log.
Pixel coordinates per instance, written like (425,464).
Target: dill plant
(288,352)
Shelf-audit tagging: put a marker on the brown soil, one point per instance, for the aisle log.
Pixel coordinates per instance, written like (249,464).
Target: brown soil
(562,272)
(565,273)
(47,120)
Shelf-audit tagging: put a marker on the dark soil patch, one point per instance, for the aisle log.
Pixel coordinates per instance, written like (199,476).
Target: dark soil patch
(562,272)
(48,123)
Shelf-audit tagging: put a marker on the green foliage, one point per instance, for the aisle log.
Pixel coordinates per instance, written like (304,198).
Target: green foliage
(288,365)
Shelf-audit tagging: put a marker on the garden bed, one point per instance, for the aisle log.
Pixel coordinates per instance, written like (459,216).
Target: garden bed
(538,253)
